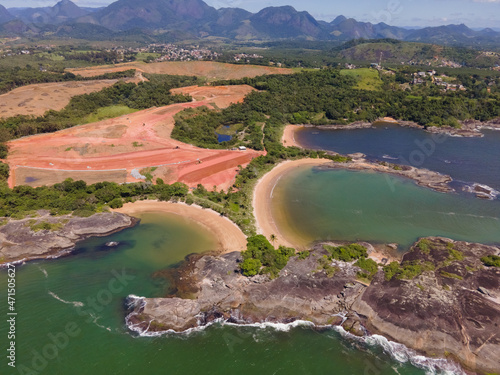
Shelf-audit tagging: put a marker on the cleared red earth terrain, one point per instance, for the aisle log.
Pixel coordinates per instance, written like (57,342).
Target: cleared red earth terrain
(123,148)
(211,70)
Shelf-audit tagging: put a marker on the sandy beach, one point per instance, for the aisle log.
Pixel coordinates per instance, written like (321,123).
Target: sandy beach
(262,200)
(288,138)
(229,236)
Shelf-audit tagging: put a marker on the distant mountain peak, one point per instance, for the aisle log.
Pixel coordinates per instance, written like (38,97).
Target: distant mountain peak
(338,20)
(5,15)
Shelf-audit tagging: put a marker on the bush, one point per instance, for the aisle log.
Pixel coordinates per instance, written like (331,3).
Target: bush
(259,249)
(250,266)
(347,253)
(116,203)
(303,254)
(407,271)
(368,265)
(424,246)
(491,261)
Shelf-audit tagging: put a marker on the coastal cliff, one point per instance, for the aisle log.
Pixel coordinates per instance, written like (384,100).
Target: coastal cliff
(47,236)
(451,308)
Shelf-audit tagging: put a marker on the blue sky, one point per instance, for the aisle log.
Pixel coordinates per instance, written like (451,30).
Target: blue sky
(474,13)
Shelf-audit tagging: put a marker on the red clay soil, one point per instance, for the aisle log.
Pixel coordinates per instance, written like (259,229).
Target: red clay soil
(208,69)
(134,141)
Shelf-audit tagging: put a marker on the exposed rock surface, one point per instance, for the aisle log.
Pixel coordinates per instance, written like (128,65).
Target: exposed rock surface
(18,240)
(468,128)
(452,310)
(423,177)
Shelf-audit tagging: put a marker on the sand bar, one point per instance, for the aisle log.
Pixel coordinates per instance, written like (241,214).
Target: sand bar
(229,236)
(263,194)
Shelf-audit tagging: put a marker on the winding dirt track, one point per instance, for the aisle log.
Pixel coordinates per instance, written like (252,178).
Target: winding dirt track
(130,142)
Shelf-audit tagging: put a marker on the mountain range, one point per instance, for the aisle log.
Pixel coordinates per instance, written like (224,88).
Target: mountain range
(195,19)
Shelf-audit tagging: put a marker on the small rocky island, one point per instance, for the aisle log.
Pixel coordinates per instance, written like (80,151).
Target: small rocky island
(441,299)
(47,236)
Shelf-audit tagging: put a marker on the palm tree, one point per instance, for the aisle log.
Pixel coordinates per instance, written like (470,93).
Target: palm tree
(273,238)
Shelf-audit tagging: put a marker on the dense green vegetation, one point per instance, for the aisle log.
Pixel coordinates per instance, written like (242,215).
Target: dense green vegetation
(369,266)
(327,97)
(362,52)
(260,253)
(80,198)
(491,260)
(347,253)
(407,270)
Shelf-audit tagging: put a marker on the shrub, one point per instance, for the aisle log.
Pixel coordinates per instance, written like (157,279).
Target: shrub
(303,254)
(368,265)
(259,248)
(347,253)
(116,203)
(250,266)
(491,261)
(424,246)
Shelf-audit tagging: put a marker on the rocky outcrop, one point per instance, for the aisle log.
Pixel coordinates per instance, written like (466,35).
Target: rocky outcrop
(468,128)
(46,236)
(452,309)
(423,177)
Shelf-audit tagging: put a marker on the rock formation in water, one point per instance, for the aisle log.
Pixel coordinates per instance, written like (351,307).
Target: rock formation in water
(45,235)
(449,308)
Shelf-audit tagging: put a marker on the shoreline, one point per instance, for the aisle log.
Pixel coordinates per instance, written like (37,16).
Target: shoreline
(429,304)
(288,137)
(20,244)
(262,194)
(264,188)
(227,234)
(469,129)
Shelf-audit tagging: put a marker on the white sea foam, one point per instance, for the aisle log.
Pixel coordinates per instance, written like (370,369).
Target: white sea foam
(403,354)
(95,319)
(44,271)
(398,352)
(15,263)
(389,157)
(282,327)
(76,304)
(276,183)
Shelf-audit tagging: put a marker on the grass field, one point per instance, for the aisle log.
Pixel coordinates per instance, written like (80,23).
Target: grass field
(142,56)
(108,112)
(368,79)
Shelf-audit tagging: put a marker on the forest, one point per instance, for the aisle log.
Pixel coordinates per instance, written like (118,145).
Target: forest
(323,97)
(79,198)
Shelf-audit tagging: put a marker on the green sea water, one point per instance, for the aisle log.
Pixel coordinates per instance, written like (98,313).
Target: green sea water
(71,318)
(312,204)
